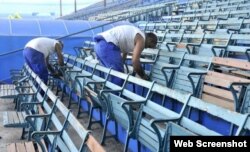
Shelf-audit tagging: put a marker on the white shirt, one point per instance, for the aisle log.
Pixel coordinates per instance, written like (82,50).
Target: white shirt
(43,45)
(123,36)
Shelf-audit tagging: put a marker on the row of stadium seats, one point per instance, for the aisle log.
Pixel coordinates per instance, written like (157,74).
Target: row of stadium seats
(206,16)
(228,7)
(235,25)
(192,5)
(84,81)
(99,8)
(185,72)
(155,10)
(44,118)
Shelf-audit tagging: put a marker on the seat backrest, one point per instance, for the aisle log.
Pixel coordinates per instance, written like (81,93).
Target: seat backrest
(231,24)
(187,76)
(206,50)
(85,50)
(174,129)
(28,92)
(192,39)
(182,82)
(217,39)
(150,27)
(217,87)
(165,58)
(245,102)
(214,44)
(197,62)
(174,38)
(71,135)
(246,127)
(148,132)
(189,26)
(241,39)
(235,67)
(77,75)
(119,111)
(128,90)
(231,123)
(239,13)
(208,25)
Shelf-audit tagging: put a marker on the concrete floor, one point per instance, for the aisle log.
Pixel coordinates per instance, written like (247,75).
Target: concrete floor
(10,135)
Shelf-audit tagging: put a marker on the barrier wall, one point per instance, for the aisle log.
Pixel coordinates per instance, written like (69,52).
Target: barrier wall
(14,34)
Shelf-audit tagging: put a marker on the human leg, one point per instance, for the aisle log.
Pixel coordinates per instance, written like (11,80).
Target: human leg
(109,56)
(36,62)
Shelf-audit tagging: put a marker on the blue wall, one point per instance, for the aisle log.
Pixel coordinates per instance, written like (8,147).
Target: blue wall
(14,34)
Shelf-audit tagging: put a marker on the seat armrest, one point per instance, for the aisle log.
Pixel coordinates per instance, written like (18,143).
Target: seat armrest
(192,81)
(173,67)
(102,92)
(28,105)
(133,102)
(234,92)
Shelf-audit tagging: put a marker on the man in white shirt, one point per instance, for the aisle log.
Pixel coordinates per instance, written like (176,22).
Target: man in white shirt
(36,54)
(122,40)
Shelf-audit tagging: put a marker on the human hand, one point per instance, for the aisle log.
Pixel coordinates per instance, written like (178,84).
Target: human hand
(146,77)
(56,74)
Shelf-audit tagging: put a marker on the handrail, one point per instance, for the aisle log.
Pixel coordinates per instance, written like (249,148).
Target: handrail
(3,54)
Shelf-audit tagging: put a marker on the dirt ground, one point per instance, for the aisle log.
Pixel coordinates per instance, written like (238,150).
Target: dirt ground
(11,135)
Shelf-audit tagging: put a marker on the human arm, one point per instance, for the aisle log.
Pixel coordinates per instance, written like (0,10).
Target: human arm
(124,56)
(49,66)
(58,49)
(139,46)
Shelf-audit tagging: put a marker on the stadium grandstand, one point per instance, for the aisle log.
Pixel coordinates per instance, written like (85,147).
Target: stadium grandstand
(199,79)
